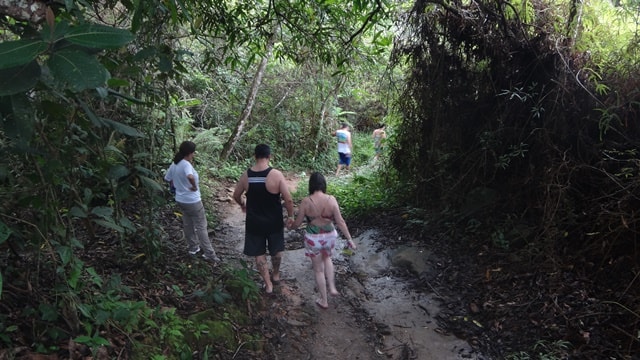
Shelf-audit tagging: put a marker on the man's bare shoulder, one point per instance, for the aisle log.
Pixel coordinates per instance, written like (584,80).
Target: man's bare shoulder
(276,174)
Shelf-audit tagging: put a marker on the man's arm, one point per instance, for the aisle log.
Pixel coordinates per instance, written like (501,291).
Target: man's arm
(241,188)
(286,196)
(302,209)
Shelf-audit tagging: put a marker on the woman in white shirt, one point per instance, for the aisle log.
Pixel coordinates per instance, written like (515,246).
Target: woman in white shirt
(186,182)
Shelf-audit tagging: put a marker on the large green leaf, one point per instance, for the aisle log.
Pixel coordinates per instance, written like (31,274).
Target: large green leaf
(99,36)
(18,125)
(20,52)
(77,70)
(19,79)
(109,225)
(151,184)
(78,212)
(118,171)
(104,212)
(122,128)
(4,232)
(58,32)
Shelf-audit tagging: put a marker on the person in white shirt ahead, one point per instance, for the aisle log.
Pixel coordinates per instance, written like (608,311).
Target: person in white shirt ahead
(345,147)
(185,179)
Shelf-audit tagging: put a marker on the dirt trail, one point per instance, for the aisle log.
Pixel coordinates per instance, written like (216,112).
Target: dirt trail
(371,319)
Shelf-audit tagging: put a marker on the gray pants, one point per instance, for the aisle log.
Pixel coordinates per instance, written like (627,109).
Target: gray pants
(194,221)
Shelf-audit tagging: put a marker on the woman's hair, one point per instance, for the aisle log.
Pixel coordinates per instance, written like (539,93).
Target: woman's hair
(317,182)
(186,148)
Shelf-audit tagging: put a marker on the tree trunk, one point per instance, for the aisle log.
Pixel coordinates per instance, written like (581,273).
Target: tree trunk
(251,98)
(323,114)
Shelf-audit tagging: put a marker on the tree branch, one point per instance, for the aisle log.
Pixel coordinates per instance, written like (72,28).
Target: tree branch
(366,22)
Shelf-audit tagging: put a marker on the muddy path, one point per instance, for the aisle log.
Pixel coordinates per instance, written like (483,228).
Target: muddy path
(376,316)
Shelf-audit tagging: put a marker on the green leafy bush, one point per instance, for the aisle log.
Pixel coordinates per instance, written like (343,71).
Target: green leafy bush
(364,192)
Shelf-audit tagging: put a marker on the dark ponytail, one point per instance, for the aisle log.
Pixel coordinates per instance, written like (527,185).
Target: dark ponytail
(317,182)
(186,148)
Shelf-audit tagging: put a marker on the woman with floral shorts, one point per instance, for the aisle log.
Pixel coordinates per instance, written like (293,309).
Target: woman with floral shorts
(322,214)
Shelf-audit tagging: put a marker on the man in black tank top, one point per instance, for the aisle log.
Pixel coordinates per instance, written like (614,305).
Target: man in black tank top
(265,188)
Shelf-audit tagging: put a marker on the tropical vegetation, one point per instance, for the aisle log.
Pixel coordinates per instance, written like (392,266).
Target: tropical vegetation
(512,130)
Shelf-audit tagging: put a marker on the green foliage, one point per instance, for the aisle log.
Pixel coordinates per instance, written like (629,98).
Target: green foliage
(608,33)
(94,341)
(364,192)
(66,50)
(515,151)
(241,284)
(213,293)
(230,170)
(363,150)
(544,350)
(5,331)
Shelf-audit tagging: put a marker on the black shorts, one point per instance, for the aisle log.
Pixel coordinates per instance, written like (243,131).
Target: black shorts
(257,244)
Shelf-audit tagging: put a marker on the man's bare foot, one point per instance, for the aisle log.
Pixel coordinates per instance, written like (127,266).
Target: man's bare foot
(276,278)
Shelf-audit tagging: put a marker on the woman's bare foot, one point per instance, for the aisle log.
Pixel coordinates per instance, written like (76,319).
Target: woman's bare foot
(334,293)
(268,288)
(322,305)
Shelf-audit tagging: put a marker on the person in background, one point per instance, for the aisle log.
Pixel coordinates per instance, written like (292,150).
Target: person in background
(265,188)
(321,212)
(379,135)
(344,147)
(185,179)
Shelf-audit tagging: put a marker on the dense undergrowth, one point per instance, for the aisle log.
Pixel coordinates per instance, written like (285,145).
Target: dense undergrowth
(526,147)
(114,293)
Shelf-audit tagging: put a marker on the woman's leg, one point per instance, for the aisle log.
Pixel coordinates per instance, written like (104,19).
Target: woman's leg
(330,275)
(200,224)
(188,227)
(321,284)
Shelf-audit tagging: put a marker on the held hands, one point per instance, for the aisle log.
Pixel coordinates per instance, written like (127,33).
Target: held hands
(290,223)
